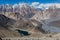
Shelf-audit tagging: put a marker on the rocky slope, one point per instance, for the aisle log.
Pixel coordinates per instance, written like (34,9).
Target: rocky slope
(10,27)
(5,25)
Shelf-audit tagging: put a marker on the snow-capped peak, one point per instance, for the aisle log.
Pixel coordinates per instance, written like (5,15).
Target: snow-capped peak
(33,5)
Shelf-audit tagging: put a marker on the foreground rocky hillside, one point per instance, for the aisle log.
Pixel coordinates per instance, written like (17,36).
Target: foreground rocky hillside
(15,28)
(22,28)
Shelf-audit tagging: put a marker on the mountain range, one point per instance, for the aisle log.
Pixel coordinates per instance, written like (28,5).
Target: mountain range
(25,10)
(20,17)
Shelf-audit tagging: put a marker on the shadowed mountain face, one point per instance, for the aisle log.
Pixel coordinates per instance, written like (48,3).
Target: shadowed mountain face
(55,23)
(5,25)
(5,20)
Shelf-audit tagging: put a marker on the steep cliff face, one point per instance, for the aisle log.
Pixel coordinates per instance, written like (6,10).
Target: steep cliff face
(5,25)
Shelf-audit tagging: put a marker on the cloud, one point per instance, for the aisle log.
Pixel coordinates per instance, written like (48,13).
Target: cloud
(35,4)
(46,5)
(40,5)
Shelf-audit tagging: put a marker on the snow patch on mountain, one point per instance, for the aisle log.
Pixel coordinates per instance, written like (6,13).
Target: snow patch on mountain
(44,6)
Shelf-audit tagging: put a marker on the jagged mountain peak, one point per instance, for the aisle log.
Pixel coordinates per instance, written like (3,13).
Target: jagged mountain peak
(24,5)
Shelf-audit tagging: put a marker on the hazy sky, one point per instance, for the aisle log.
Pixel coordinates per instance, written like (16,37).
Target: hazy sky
(28,1)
